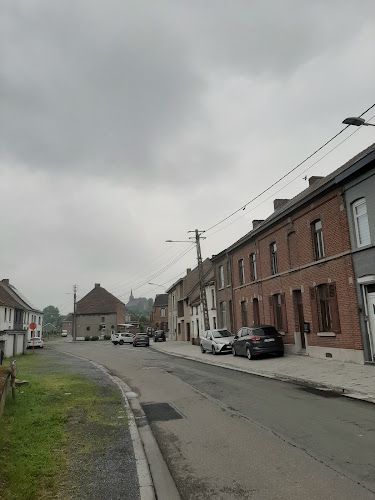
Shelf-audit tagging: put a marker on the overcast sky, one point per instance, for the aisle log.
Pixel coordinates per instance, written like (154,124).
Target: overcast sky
(123,124)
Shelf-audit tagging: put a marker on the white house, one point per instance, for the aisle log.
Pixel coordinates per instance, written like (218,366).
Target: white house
(16,314)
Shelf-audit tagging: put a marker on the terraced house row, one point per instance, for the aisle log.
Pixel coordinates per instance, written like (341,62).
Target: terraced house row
(308,269)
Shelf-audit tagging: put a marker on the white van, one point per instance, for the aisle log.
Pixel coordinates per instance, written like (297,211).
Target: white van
(64,333)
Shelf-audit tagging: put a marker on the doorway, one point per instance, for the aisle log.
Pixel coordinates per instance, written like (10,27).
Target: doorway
(188,331)
(299,316)
(371,320)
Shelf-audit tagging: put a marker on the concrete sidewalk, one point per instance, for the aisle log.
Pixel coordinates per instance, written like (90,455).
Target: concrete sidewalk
(354,381)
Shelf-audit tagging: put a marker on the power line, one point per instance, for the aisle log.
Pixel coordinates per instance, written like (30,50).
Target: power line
(286,175)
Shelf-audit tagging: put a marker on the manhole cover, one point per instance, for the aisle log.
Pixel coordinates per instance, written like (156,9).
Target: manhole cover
(325,393)
(160,412)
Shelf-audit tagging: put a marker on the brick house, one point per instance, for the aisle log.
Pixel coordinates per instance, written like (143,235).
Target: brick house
(294,270)
(222,274)
(97,312)
(67,324)
(159,312)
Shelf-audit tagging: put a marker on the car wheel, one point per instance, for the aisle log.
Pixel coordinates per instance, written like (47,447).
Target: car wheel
(248,353)
(164,340)
(202,349)
(114,343)
(280,354)
(121,342)
(234,351)
(213,351)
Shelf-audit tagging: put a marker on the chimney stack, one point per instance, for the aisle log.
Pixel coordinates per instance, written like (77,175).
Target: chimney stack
(188,270)
(97,285)
(314,179)
(279,202)
(5,281)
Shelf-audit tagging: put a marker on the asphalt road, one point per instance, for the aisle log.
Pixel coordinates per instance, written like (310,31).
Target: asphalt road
(230,435)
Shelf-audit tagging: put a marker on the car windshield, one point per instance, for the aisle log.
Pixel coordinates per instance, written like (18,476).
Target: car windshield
(221,333)
(268,330)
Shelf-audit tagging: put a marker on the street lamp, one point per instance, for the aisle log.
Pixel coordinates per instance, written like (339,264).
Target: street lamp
(357,121)
(157,285)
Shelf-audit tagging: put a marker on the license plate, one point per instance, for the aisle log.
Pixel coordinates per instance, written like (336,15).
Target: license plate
(269,340)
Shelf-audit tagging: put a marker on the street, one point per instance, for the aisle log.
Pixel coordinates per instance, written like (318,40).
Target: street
(231,435)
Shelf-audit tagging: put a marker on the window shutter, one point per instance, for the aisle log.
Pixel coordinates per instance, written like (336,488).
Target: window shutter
(314,310)
(334,308)
(272,316)
(283,313)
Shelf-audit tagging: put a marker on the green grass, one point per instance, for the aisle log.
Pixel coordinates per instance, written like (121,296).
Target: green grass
(34,437)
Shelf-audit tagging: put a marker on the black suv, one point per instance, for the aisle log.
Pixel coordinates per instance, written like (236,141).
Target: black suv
(159,335)
(253,341)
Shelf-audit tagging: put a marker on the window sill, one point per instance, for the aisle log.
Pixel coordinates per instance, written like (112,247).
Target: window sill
(326,334)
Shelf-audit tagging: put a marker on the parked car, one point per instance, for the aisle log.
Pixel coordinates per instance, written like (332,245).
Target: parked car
(38,342)
(217,341)
(253,341)
(141,339)
(64,333)
(159,335)
(122,338)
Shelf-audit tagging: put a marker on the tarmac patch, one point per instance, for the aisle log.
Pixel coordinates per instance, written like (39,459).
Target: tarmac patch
(325,393)
(160,412)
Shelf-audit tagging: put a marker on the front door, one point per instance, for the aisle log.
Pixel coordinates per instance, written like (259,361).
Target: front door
(300,316)
(371,319)
(188,331)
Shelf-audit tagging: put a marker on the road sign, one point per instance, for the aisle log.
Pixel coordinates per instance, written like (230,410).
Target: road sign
(32,326)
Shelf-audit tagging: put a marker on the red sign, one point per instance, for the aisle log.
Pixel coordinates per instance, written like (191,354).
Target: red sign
(32,326)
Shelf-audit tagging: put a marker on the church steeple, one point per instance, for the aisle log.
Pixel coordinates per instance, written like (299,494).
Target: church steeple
(131,295)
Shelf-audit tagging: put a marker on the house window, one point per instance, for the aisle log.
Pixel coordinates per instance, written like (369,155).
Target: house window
(213,298)
(253,267)
(39,320)
(362,229)
(88,328)
(5,314)
(318,239)
(103,319)
(223,314)
(197,327)
(241,269)
(244,312)
(214,323)
(221,277)
(162,312)
(324,308)
(293,250)
(256,320)
(278,312)
(228,272)
(10,314)
(273,253)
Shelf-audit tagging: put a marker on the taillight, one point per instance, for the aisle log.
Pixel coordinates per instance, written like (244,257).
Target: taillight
(255,338)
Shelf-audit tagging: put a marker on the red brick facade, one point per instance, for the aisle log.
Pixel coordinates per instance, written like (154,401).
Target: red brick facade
(298,278)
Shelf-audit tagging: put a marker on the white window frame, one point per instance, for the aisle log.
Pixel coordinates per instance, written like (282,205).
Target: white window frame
(221,277)
(355,205)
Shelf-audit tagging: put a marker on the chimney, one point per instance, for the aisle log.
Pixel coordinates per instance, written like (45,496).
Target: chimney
(314,179)
(279,202)
(97,285)
(188,270)
(257,223)
(5,281)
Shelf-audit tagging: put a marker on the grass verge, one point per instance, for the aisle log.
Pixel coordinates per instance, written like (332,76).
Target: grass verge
(34,438)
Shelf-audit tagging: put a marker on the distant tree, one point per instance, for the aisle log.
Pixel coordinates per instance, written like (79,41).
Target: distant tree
(51,314)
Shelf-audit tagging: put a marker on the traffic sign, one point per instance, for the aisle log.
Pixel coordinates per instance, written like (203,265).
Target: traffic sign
(32,326)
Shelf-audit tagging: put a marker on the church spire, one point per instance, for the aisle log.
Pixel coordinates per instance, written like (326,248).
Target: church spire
(131,295)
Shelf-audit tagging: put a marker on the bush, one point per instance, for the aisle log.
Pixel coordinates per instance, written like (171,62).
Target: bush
(95,338)
(87,338)
(107,337)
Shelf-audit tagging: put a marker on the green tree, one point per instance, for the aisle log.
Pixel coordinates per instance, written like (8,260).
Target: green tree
(51,314)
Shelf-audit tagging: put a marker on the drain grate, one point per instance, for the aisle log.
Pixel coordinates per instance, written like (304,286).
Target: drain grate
(160,412)
(325,393)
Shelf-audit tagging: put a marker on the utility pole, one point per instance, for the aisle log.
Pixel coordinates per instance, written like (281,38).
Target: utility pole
(201,279)
(74,313)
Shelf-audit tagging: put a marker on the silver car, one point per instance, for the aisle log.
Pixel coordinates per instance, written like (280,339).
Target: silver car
(217,341)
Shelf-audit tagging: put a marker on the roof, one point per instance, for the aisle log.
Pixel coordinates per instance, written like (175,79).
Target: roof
(98,301)
(11,297)
(318,188)
(161,300)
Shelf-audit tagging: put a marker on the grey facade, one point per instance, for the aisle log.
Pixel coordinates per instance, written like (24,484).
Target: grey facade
(360,199)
